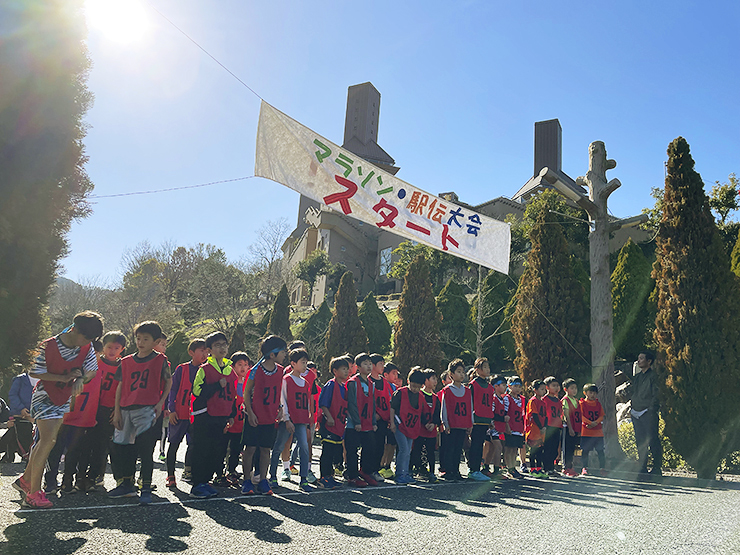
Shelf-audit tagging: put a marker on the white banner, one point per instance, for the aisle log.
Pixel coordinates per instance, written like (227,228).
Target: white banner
(291,154)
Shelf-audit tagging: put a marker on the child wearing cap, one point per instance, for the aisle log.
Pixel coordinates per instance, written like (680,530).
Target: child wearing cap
(514,405)
(592,432)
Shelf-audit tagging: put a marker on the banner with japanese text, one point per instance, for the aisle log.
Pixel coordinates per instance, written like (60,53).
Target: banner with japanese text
(295,156)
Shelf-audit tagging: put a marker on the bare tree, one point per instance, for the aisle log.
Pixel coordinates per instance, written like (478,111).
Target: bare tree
(267,255)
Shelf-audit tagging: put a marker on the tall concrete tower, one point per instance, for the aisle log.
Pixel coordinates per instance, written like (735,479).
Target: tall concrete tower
(361,126)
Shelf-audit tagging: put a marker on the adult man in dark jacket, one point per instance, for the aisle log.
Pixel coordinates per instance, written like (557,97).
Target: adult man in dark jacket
(18,437)
(645,413)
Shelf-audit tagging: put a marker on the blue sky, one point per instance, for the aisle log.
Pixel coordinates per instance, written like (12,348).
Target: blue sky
(462,84)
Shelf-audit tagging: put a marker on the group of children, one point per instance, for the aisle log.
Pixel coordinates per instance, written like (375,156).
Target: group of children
(229,409)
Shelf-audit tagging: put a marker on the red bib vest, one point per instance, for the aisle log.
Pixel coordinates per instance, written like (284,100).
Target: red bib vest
(365,403)
(429,405)
(184,398)
(86,405)
(337,409)
(298,399)
(238,425)
(554,411)
(141,382)
(516,413)
(535,406)
(266,394)
(482,399)
(499,410)
(591,411)
(222,402)
(60,392)
(410,417)
(383,401)
(458,408)
(108,384)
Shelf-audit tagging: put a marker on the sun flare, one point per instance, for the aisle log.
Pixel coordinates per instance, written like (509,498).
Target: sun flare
(122,21)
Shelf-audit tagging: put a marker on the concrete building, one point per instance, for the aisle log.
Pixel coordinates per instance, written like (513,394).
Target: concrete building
(366,250)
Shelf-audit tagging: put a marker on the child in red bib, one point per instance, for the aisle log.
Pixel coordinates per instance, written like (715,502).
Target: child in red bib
(180,407)
(214,391)
(361,424)
(144,384)
(262,407)
(430,420)
(241,365)
(536,422)
(514,405)
(332,422)
(481,394)
(457,418)
(406,407)
(592,432)
(572,423)
(296,416)
(554,429)
(114,342)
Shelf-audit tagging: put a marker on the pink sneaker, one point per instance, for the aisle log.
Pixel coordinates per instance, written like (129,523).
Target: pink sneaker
(37,500)
(584,472)
(22,487)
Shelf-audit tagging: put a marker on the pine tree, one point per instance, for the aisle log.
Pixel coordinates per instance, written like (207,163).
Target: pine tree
(550,324)
(455,312)
(279,323)
(376,325)
(697,329)
(313,332)
(346,333)
(43,182)
(417,328)
(631,286)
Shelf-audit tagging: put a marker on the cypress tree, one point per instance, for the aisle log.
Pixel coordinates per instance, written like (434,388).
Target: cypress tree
(177,349)
(313,332)
(631,286)
(697,328)
(376,325)
(279,323)
(735,260)
(43,182)
(454,309)
(417,328)
(550,324)
(346,333)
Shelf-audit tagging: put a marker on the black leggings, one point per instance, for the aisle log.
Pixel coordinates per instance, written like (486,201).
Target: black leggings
(353,440)
(232,450)
(475,453)
(536,456)
(552,441)
(99,442)
(453,449)
(123,457)
(571,442)
(209,446)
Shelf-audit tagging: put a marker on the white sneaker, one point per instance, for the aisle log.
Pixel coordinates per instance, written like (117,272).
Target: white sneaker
(286,475)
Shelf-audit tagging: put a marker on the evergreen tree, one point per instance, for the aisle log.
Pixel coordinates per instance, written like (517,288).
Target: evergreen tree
(631,286)
(550,324)
(43,182)
(177,349)
(238,339)
(376,325)
(346,333)
(697,329)
(313,332)
(279,323)
(264,321)
(417,328)
(455,312)
(735,259)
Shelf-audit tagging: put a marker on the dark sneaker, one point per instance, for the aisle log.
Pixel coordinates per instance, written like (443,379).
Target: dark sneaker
(324,483)
(357,483)
(305,486)
(264,488)
(247,487)
(145,498)
(200,491)
(368,479)
(124,490)
(212,492)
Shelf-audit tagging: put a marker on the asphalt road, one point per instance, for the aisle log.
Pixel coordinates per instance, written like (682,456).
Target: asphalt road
(589,515)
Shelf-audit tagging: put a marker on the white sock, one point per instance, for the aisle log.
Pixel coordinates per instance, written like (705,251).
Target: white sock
(286,465)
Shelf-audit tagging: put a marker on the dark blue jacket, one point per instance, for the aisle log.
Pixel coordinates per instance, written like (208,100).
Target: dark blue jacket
(20,394)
